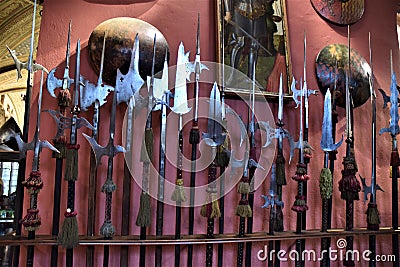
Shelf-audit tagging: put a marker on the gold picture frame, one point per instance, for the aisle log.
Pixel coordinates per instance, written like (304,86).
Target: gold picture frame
(255,31)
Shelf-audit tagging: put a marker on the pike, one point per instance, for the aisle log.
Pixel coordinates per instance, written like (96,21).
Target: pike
(107,230)
(349,186)
(196,67)
(180,108)
(213,138)
(326,177)
(33,183)
(394,130)
(59,141)
(31,67)
(146,156)
(128,87)
(94,95)
(68,236)
(273,202)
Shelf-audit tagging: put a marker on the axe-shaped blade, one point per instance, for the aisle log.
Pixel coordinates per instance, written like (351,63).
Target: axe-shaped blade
(368,189)
(160,86)
(236,163)
(91,93)
(268,129)
(243,131)
(298,93)
(327,143)
(100,151)
(53,82)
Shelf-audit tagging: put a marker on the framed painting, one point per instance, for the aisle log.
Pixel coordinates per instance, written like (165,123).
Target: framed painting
(252,40)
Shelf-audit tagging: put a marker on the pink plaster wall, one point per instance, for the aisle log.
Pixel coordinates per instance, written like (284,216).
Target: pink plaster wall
(177,20)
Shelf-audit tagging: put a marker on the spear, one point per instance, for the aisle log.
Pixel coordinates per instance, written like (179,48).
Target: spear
(213,138)
(180,108)
(59,141)
(94,95)
(146,156)
(194,139)
(128,87)
(394,130)
(326,177)
(33,183)
(107,230)
(68,236)
(349,186)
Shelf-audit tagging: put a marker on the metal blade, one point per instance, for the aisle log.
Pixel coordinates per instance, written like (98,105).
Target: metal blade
(327,143)
(180,95)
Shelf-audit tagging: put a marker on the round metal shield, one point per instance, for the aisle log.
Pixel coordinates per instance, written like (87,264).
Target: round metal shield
(120,37)
(331,67)
(340,12)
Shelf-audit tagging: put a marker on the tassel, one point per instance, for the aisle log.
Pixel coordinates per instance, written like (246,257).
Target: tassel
(280,170)
(107,230)
(278,227)
(68,236)
(144,215)
(300,204)
(64,98)
(109,186)
(349,186)
(301,173)
(373,218)
(146,152)
(325,183)
(60,143)
(179,194)
(71,169)
(32,220)
(211,210)
(243,209)
(222,158)
(243,188)
(34,182)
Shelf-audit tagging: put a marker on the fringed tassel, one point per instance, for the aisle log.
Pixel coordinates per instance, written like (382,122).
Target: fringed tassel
(373,218)
(109,186)
(68,237)
(211,210)
(325,183)
(71,168)
(301,173)
(243,209)
(60,144)
(144,215)
(300,204)
(349,186)
(179,193)
(278,227)
(244,187)
(146,152)
(222,158)
(64,98)
(280,170)
(34,182)
(107,230)
(32,220)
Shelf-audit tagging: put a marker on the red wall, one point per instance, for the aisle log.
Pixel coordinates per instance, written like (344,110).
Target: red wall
(177,20)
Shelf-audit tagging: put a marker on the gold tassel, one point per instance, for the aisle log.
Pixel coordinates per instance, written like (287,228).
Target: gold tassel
(243,209)
(211,210)
(146,152)
(243,188)
(178,195)
(144,215)
(373,217)
(71,168)
(68,237)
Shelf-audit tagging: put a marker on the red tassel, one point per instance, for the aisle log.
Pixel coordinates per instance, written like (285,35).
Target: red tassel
(32,220)
(34,182)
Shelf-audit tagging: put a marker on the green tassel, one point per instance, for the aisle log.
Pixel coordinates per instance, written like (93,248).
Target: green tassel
(109,186)
(373,214)
(325,183)
(243,188)
(146,153)
(178,195)
(71,168)
(144,215)
(280,170)
(68,236)
(244,211)
(107,230)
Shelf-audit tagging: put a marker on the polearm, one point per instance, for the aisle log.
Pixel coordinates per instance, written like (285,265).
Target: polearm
(31,67)
(107,230)
(326,177)
(213,138)
(349,186)
(394,130)
(180,108)
(163,85)
(194,138)
(33,183)
(146,156)
(128,86)
(59,141)
(373,218)
(94,95)
(68,236)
